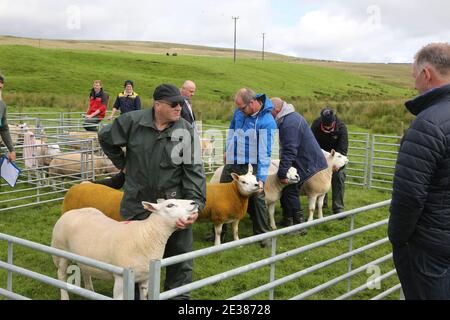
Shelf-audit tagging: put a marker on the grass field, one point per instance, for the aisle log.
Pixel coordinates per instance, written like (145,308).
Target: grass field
(59,75)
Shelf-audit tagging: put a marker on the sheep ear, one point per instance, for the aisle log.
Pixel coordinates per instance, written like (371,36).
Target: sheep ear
(235,176)
(333,153)
(250,169)
(152,207)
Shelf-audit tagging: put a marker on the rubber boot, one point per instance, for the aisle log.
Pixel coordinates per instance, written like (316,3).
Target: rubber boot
(286,222)
(298,219)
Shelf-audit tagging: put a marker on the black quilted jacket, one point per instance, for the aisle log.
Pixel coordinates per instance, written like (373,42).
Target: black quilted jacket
(420,208)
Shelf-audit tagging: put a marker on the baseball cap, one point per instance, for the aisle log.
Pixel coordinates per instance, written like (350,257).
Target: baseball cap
(327,116)
(168,92)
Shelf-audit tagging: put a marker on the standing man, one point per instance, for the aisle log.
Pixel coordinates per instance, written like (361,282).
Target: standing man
(331,134)
(126,101)
(298,149)
(419,225)
(98,102)
(4,128)
(249,141)
(157,168)
(188,91)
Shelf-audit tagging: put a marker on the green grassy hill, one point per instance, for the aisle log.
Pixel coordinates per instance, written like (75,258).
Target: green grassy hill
(60,79)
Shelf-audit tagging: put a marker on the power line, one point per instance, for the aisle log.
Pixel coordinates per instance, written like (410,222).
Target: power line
(234,52)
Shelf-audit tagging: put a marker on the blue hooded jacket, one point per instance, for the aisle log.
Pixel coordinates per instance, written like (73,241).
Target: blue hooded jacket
(250,138)
(298,146)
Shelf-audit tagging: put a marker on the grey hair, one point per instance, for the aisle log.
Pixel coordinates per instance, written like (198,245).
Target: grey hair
(437,55)
(246,95)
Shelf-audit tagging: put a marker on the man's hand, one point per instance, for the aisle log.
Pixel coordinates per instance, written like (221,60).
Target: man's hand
(284,181)
(261,186)
(12,156)
(183,224)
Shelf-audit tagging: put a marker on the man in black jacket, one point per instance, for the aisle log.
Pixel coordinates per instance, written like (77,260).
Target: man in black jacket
(188,91)
(331,134)
(419,225)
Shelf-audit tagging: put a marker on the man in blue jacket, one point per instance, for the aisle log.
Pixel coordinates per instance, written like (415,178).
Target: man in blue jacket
(299,149)
(249,141)
(419,225)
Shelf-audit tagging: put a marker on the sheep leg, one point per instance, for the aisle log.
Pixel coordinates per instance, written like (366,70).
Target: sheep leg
(235,227)
(88,282)
(271,208)
(143,290)
(218,232)
(62,265)
(320,205)
(118,288)
(311,206)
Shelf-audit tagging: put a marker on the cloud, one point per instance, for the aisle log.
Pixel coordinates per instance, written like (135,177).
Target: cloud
(350,30)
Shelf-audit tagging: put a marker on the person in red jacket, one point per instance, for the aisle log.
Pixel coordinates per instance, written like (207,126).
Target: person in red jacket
(98,101)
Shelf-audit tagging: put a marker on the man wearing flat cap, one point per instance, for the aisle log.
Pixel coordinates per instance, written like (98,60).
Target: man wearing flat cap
(156,168)
(331,134)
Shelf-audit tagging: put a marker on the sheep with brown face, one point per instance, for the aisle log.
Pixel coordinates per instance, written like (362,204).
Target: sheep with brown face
(228,202)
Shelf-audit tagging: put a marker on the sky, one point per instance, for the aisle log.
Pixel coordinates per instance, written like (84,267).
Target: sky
(343,30)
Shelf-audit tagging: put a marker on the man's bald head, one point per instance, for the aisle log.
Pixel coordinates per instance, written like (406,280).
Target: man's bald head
(277,106)
(188,89)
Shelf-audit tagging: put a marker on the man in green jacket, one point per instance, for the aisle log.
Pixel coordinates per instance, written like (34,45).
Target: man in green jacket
(162,161)
(4,128)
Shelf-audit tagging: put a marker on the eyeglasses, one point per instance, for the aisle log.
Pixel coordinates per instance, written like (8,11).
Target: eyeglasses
(247,104)
(173,104)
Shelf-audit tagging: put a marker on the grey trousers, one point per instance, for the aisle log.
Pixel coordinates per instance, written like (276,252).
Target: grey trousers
(337,191)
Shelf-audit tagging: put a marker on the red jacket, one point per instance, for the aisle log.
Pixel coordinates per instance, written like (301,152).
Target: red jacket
(98,101)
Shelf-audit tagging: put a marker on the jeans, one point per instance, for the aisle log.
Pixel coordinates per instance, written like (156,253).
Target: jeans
(90,124)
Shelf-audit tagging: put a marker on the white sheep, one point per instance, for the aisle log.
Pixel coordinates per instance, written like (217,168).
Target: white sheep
(317,186)
(72,164)
(228,202)
(208,151)
(273,189)
(130,244)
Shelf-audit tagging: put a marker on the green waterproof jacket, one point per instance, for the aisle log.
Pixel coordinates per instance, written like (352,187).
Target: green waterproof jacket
(159,164)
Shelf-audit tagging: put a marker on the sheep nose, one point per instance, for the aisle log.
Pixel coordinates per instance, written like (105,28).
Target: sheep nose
(193,203)
(297,176)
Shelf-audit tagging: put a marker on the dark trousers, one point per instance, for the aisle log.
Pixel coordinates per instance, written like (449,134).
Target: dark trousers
(290,202)
(181,273)
(90,124)
(337,191)
(256,203)
(423,275)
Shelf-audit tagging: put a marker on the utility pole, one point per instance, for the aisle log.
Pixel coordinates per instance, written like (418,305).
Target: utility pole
(264,34)
(235,19)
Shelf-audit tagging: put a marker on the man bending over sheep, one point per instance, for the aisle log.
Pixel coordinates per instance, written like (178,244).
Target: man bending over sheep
(298,149)
(157,168)
(249,141)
